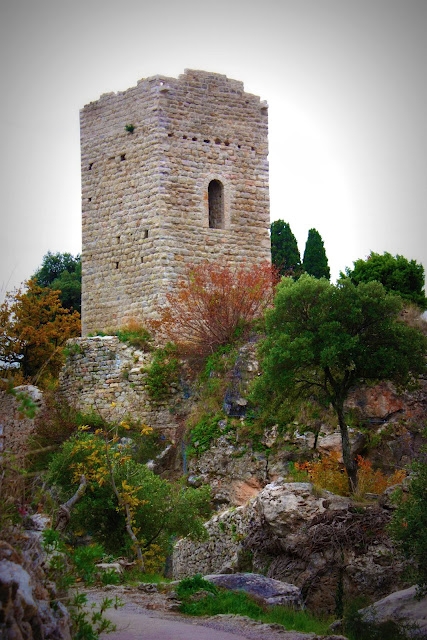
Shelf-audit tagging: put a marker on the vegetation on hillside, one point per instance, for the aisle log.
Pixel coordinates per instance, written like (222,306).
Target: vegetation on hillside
(409,524)
(322,339)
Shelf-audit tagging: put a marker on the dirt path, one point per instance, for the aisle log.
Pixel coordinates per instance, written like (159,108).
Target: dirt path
(147,616)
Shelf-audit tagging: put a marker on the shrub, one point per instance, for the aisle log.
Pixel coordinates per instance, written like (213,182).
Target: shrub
(205,431)
(54,423)
(328,473)
(357,628)
(375,481)
(110,577)
(126,507)
(189,586)
(154,559)
(162,373)
(135,334)
(213,305)
(84,559)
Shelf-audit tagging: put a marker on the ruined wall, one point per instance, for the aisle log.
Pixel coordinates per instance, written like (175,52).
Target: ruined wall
(15,426)
(106,376)
(145,194)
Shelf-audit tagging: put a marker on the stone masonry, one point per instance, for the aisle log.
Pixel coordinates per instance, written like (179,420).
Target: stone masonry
(174,171)
(106,376)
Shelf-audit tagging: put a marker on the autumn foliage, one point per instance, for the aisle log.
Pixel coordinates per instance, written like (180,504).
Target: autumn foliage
(34,327)
(328,473)
(213,304)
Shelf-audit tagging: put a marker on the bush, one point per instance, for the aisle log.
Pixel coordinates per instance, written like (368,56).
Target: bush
(54,424)
(328,473)
(123,493)
(136,335)
(205,431)
(213,305)
(162,373)
(189,586)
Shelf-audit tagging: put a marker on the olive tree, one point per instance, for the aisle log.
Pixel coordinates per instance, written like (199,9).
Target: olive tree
(322,339)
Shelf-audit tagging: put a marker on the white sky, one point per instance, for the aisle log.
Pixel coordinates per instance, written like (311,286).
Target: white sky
(345,81)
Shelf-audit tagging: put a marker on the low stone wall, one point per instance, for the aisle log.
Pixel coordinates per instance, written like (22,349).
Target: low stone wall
(107,376)
(222,552)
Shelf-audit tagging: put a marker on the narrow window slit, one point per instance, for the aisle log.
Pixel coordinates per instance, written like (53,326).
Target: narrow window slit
(216,204)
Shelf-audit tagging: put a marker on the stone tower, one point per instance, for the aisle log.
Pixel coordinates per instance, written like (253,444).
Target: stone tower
(174,171)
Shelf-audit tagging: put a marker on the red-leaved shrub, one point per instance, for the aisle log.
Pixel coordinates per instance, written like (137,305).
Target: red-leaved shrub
(213,304)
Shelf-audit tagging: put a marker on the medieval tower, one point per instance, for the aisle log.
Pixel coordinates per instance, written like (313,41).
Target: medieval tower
(174,171)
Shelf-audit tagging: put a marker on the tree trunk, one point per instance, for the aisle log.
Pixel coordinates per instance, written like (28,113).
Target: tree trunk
(348,459)
(63,516)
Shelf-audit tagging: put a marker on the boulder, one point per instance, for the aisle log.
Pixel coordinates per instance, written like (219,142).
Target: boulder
(285,506)
(26,613)
(266,590)
(402,607)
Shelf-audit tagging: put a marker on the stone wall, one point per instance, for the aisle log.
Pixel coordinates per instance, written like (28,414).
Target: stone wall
(105,375)
(15,426)
(221,553)
(145,194)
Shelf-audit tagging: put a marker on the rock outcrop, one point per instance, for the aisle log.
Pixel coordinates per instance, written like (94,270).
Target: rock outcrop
(26,611)
(319,542)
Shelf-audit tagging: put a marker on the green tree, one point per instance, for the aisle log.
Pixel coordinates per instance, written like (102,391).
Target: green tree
(408,527)
(125,498)
(285,255)
(322,339)
(396,273)
(62,272)
(315,262)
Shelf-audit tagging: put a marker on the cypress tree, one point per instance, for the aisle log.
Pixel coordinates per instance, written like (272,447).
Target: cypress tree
(315,262)
(285,255)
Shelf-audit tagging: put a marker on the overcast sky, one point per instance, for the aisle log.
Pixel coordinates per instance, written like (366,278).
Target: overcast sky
(345,81)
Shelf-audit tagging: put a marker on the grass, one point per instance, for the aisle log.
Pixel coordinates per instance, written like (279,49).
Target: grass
(135,576)
(240,603)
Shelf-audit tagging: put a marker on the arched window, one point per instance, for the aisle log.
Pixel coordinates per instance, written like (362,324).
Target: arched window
(216,204)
